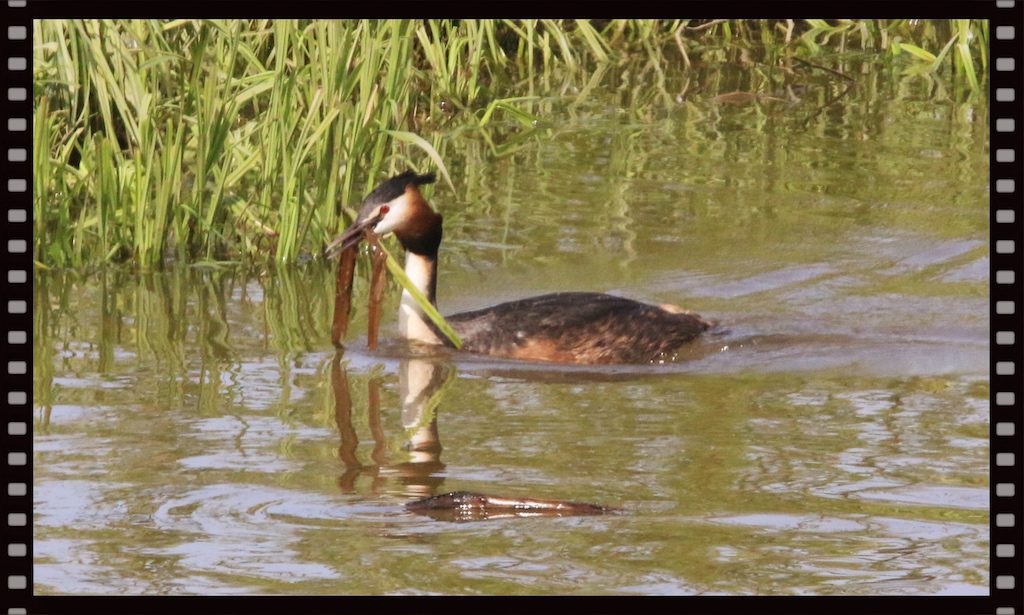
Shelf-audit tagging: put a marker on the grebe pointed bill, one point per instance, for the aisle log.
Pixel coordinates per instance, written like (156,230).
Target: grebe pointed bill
(567,327)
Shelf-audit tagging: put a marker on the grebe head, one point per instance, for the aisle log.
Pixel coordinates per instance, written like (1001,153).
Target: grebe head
(395,206)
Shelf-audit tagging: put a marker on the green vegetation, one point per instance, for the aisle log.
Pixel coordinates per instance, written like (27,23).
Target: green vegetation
(428,309)
(213,141)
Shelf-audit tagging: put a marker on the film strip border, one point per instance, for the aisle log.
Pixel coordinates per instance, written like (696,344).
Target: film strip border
(17,239)
(1007,334)
(1006,90)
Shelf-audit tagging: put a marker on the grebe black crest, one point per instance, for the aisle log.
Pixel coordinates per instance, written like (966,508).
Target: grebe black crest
(570,327)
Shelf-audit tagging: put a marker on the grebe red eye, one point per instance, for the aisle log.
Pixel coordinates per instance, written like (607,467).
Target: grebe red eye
(384,209)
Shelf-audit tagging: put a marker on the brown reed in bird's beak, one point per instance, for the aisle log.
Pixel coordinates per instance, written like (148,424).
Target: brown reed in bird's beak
(343,289)
(343,294)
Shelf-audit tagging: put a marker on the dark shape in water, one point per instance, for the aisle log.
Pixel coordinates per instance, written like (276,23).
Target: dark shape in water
(468,506)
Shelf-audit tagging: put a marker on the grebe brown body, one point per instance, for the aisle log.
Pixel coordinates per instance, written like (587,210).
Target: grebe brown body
(570,327)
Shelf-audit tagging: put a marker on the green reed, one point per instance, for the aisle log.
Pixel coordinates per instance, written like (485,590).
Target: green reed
(254,140)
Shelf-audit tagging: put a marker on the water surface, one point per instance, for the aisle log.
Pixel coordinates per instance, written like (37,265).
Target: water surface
(192,433)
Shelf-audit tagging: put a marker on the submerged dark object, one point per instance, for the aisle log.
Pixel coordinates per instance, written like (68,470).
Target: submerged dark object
(470,506)
(572,327)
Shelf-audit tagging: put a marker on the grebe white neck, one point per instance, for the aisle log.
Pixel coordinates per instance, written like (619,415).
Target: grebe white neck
(412,322)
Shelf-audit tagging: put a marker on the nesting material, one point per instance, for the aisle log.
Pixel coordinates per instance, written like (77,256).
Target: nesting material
(378,260)
(343,291)
(343,295)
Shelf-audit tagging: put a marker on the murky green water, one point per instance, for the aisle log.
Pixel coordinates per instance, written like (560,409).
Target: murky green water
(192,434)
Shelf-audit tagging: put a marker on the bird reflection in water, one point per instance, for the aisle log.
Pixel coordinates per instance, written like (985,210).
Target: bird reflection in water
(421,387)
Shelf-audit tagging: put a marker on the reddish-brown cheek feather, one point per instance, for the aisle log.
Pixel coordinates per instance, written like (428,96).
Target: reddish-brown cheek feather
(420,222)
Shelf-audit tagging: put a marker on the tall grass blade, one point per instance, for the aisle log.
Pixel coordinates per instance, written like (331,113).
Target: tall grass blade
(423,303)
(422,143)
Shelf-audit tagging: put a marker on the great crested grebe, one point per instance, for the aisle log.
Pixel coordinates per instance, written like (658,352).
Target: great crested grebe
(570,327)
